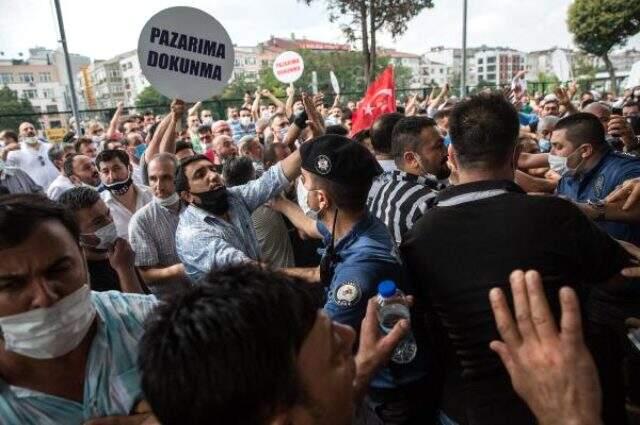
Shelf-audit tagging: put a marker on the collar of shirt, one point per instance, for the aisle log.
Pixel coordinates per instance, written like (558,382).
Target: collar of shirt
(387,164)
(469,192)
(428,180)
(347,239)
(587,176)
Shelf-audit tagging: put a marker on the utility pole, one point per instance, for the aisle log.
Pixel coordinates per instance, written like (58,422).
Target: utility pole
(63,40)
(463,77)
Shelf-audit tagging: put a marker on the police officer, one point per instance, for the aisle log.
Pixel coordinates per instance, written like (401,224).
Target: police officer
(591,170)
(359,254)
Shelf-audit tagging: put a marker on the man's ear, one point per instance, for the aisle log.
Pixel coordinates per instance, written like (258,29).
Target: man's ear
(453,158)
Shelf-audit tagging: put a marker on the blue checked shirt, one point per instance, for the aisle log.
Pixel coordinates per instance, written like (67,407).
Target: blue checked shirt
(112,382)
(205,242)
(239,131)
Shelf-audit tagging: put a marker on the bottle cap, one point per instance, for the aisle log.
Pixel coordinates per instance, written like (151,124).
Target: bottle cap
(387,289)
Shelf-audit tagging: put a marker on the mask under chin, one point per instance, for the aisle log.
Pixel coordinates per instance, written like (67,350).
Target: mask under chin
(215,201)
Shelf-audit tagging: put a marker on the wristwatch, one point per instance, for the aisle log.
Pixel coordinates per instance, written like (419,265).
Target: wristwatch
(598,205)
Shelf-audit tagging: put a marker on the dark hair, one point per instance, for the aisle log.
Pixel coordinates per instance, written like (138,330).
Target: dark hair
(239,330)
(182,182)
(381,132)
(109,155)
(81,142)
(442,113)
(79,198)
(346,114)
(55,153)
(202,128)
(68,137)
(631,104)
(484,130)
(238,171)
(360,136)
(406,134)
(582,127)
(350,197)
(587,102)
(148,112)
(68,164)
(336,129)
(182,145)
(10,133)
(21,213)
(244,109)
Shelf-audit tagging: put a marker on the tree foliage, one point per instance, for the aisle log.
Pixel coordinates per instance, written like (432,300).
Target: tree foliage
(12,107)
(150,98)
(600,25)
(361,20)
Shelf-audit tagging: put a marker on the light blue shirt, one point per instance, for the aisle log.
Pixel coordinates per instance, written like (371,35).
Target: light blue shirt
(205,242)
(112,382)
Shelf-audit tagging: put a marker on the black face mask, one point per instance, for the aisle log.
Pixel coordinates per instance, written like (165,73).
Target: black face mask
(214,201)
(120,188)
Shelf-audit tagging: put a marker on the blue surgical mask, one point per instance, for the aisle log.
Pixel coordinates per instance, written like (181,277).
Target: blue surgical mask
(545,145)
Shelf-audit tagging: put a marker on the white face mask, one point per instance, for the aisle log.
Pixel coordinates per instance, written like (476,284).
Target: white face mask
(166,202)
(245,121)
(32,141)
(283,133)
(50,332)
(558,164)
(545,145)
(207,121)
(107,236)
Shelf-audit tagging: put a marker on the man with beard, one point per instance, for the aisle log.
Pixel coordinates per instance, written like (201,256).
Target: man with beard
(81,170)
(421,157)
(216,228)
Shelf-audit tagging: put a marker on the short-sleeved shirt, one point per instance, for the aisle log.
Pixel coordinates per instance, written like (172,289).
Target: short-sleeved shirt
(470,242)
(112,380)
(121,214)
(17,181)
(34,162)
(239,131)
(612,170)
(152,234)
(366,256)
(273,238)
(403,200)
(205,242)
(60,185)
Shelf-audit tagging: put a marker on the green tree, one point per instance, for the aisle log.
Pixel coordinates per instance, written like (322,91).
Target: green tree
(11,109)
(150,98)
(347,66)
(600,25)
(238,87)
(365,18)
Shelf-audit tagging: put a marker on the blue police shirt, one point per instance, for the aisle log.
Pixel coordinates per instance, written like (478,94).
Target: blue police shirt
(367,256)
(527,119)
(613,169)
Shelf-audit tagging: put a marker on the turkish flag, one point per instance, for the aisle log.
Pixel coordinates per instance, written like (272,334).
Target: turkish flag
(380,99)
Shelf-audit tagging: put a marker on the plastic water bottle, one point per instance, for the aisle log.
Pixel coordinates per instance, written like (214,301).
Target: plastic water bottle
(392,307)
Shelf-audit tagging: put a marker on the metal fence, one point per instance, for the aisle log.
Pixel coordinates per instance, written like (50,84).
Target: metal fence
(51,121)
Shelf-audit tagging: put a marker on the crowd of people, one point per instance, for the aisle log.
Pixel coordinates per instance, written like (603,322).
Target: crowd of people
(180,269)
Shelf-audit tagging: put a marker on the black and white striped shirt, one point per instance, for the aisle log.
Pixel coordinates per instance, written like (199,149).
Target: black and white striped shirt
(402,200)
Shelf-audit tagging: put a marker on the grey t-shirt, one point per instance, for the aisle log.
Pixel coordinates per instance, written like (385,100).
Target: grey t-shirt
(273,237)
(17,181)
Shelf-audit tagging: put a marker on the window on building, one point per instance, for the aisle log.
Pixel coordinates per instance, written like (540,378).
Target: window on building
(25,77)
(48,93)
(491,68)
(52,108)
(480,69)
(480,61)
(491,59)
(441,71)
(236,62)
(45,77)
(6,78)
(251,60)
(30,94)
(36,108)
(491,77)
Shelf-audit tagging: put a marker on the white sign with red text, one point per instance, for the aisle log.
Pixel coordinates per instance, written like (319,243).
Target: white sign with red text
(288,67)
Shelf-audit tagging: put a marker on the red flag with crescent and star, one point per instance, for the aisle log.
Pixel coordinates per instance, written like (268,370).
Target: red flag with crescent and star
(379,99)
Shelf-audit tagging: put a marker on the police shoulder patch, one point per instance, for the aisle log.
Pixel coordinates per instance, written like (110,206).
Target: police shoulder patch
(347,294)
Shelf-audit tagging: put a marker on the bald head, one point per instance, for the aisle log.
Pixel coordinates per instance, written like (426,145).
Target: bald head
(601,111)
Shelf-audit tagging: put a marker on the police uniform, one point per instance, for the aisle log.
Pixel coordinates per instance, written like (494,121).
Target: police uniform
(353,266)
(612,170)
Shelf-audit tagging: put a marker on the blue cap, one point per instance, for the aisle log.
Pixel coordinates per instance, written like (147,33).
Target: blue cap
(387,289)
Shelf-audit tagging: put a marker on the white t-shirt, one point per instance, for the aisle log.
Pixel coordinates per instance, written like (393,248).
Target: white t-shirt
(35,162)
(121,214)
(58,186)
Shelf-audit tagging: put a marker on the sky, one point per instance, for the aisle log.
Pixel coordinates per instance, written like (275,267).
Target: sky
(101,29)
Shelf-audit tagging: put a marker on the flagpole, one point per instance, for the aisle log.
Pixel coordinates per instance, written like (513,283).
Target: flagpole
(463,78)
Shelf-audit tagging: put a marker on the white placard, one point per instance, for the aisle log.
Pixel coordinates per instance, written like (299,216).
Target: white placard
(288,67)
(334,83)
(560,65)
(634,76)
(186,53)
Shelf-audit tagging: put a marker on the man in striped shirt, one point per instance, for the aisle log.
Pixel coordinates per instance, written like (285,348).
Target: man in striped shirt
(421,157)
